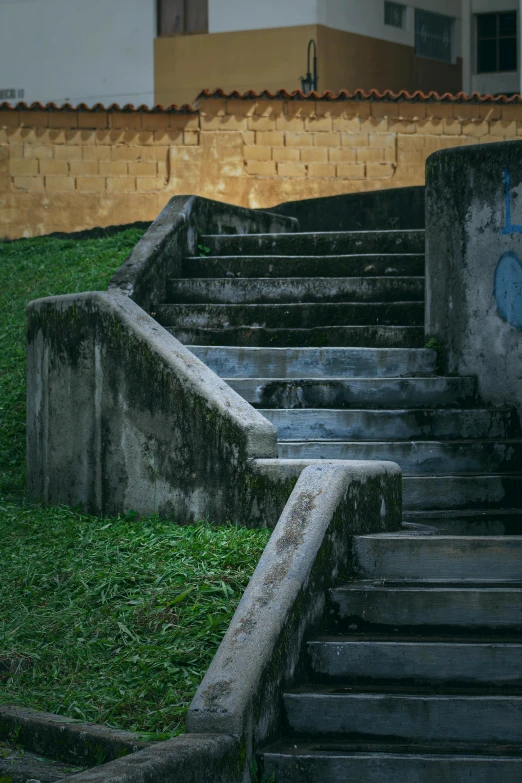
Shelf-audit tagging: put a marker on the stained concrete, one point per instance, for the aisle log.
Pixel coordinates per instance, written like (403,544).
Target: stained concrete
(473,264)
(286,597)
(118,411)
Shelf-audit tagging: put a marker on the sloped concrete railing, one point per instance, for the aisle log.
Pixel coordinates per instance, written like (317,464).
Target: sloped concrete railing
(238,706)
(120,415)
(286,599)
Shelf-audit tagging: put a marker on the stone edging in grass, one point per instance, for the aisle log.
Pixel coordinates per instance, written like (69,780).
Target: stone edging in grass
(66,739)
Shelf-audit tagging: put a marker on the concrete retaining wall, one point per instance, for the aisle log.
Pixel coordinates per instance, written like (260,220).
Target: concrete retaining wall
(474,266)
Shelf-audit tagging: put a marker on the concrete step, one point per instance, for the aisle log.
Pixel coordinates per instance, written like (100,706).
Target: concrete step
(371,265)
(356,393)
(417,457)
(238,362)
(224,316)
(431,604)
(317,244)
(295,289)
(294,761)
(318,337)
(393,424)
(469,522)
(406,556)
(424,660)
(482,492)
(415,716)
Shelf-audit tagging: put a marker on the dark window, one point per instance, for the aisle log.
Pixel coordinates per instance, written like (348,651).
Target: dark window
(434,35)
(182,17)
(395,14)
(497,42)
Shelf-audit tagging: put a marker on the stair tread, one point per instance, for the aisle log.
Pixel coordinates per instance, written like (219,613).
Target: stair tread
(430,585)
(382,637)
(366,335)
(461,513)
(297,278)
(329,234)
(400,690)
(383,747)
(471,541)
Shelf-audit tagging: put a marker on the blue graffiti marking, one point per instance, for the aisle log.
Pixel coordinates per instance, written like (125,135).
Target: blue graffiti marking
(508,289)
(509,228)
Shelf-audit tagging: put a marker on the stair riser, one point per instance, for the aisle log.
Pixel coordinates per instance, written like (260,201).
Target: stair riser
(359,242)
(433,718)
(300,290)
(479,523)
(391,425)
(416,457)
(290,315)
(432,557)
(442,607)
(305,266)
(424,662)
(320,337)
(357,393)
(315,362)
(461,492)
(390,768)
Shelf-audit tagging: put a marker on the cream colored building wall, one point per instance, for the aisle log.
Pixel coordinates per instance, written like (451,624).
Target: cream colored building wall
(68,171)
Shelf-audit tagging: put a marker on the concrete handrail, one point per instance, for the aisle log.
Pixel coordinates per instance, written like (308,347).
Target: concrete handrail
(309,551)
(121,415)
(174,235)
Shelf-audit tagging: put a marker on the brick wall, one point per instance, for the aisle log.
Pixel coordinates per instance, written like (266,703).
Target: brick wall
(67,170)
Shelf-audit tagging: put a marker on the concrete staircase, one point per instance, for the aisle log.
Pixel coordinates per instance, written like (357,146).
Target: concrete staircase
(420,678)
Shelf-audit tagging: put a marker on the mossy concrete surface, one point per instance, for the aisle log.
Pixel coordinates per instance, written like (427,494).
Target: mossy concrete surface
(474,265)
(122,416)
(286,599)
(65,739)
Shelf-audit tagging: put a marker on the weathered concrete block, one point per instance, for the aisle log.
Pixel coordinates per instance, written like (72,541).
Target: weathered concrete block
(474,266)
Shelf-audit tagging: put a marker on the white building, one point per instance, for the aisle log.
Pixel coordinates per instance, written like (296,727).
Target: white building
(167,51)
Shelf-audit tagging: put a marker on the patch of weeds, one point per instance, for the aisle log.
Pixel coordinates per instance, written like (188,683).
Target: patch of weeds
(258,776)
(435,345)
(204,251)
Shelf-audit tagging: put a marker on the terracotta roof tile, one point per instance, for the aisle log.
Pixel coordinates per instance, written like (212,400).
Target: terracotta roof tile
(297,95)
(114,107)
(363,95)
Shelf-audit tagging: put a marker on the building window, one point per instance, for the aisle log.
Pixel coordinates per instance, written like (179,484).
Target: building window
(395,14)
(434,35)
(182,17)
(497,45)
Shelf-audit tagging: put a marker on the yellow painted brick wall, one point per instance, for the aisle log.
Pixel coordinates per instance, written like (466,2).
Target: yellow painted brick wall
(63,170)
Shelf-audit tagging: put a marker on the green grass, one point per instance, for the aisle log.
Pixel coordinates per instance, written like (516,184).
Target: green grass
(116,619)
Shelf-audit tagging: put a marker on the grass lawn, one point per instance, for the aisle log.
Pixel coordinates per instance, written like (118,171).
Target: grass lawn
(116,619)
